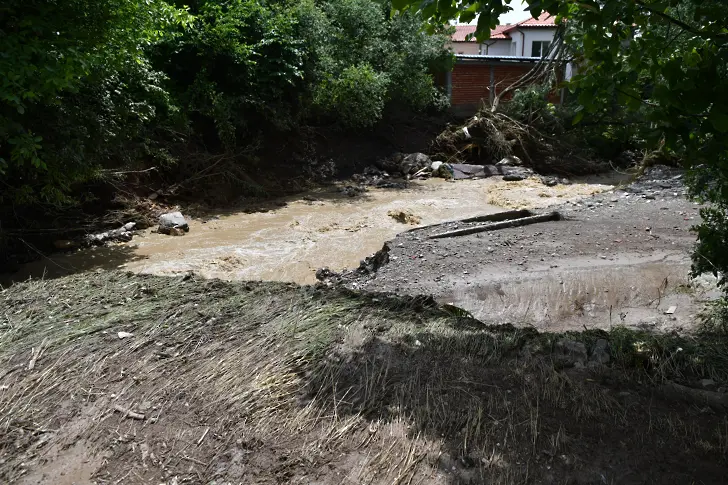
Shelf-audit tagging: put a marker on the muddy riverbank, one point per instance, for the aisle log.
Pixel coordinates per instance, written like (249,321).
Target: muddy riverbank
(298,235)
(617,258)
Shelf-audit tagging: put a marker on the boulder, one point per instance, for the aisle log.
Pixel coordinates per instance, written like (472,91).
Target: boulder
(172,220)
(569,353)
(514,177)
(414,162)
(515,174)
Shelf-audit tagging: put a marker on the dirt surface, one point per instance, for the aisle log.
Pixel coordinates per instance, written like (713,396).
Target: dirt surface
(619,257)
(112,378)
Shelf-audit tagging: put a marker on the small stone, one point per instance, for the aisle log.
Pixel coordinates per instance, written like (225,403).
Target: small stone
(129,226)
(708,384)
(123,335)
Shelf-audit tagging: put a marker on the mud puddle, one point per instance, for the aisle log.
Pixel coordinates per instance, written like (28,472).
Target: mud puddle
(651,292)
(322,229)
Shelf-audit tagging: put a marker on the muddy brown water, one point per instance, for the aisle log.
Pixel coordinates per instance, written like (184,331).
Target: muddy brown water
(322,229)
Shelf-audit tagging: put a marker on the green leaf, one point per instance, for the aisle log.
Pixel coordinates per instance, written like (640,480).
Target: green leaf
(579,116)
(719,121)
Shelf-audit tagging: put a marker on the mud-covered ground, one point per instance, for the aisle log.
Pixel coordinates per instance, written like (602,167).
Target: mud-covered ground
(117,378)
(620,257)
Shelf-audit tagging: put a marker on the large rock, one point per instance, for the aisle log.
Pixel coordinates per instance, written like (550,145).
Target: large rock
(414,162)
(172,220)
(570,353)
(515,174)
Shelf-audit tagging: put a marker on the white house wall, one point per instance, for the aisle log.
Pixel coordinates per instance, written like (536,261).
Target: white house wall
(529,36)
(500,47)
(468,48)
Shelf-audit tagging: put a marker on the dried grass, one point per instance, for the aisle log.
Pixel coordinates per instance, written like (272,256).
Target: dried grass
(261,383)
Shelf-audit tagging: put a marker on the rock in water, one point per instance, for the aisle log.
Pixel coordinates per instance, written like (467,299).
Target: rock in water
(172,220)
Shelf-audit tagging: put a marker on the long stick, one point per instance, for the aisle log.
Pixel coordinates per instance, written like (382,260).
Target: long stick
(524,221)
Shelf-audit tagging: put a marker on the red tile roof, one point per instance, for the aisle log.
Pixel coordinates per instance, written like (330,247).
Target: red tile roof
(543,20)
(501,31)
(461,33)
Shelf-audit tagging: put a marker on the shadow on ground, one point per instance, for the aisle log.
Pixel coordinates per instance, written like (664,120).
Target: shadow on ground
(272,383)
(470,408)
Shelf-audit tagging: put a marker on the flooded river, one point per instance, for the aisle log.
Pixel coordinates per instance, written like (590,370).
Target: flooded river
(322,229)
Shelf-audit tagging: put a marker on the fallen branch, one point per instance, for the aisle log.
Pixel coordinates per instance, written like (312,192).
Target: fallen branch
(497,217)
(524,221)
(128,413)
(500,216)
(35,354)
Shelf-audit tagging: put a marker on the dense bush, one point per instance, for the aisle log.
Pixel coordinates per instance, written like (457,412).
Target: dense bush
(92,87)
(75,88)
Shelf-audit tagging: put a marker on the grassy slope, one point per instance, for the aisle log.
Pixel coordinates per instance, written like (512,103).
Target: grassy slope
(273,383)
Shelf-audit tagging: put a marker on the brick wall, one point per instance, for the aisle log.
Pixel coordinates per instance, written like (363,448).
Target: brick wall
(471,82)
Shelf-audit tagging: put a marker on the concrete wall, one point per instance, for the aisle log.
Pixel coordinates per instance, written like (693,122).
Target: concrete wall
(529,36)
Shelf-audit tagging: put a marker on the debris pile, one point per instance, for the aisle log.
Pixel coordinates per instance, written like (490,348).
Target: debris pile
(404,217)
(489,137)
(657,182)
(122,234)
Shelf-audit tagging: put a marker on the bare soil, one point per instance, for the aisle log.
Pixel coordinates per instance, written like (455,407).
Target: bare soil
(113,378)
(620,257)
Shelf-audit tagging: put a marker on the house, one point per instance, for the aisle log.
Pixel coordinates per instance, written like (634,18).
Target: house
(484,69)
(529,38)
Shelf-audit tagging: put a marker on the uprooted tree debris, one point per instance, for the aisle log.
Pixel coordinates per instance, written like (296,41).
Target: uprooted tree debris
(492,136)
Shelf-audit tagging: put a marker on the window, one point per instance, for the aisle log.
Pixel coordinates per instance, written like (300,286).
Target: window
(540,48)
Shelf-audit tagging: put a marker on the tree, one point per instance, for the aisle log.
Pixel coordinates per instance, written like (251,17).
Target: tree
(73,82)
(667,59)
